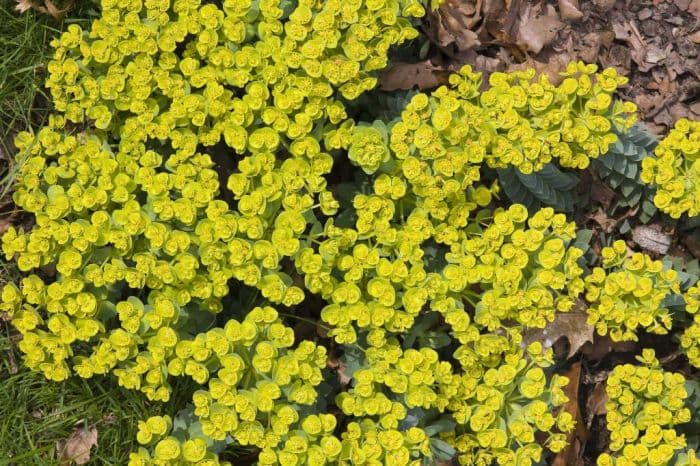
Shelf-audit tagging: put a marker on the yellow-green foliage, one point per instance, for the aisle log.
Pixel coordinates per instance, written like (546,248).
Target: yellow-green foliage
(690,340)
(521,120)
(675,170)
(644,405)
(135,247)
(508,402)
(627,293)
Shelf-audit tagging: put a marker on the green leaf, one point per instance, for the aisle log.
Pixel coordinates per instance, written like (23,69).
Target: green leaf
(444,424)
(688,272)
(620,167)
(625,227)
(583,239)
(352,359)
(423,323)
(674,302)
(379,105)
(442,451)
(413,417)
(547,187)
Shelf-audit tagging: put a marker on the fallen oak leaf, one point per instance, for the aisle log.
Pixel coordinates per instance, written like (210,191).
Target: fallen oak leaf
(77,447)
(552,67)
(538,30)
(5,223)
(571,455)
(423,75)
(572,325)
(590,45)
(602,193)
(628,32)
(604,5)
(453,23)
(501,20)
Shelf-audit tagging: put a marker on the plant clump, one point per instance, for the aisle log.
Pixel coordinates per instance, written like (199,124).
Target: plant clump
(675,170)
(186,214)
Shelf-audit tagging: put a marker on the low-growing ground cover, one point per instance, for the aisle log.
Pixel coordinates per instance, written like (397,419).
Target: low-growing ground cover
(238,250)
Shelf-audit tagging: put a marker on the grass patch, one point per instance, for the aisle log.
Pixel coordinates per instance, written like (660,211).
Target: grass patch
(24,103)
(35,414)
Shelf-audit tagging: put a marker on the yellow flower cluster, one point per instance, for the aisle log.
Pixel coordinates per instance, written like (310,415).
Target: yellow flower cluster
(145,212)
(519,121)
(627,293)
(644,405)
(675,170)
(523,267)
(366,442)
(255,384)
(690,339)
(505,401)
(171,449)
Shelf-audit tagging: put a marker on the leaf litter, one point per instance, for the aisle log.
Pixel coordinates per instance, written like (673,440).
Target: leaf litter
(653,42)
(76,448)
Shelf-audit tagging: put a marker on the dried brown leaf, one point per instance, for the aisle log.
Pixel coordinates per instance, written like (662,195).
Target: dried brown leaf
(651,238)
(24,5)
(5,223)
(695,108)
(53,11)
(572,454)
(602,193)
(77,447)
(569,10)
(454,23)
(644,14)
(501,19)
(423,75)
(694,8)
(570,325)
(595,405)
(682,4)
(626,31)
(692,242)
(48,8)
(606,223)
(340,368)
(554,64)
(602,347)
(589,45)
(649,103)
(655,54)
(538,30)
(13,369)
